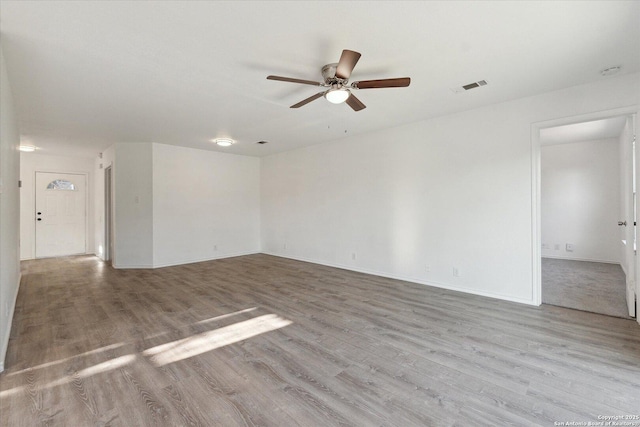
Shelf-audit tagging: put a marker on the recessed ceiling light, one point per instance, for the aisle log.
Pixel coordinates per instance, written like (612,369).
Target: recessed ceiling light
(224,142)
(27,148)
(610,71)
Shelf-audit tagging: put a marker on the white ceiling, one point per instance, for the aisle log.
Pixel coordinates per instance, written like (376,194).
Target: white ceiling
(586,131)
(88,74)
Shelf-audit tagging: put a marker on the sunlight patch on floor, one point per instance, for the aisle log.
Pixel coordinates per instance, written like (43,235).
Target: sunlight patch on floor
(9,392)
(165,353)
(109,365)
(224,316)
(57,362)
(207,341)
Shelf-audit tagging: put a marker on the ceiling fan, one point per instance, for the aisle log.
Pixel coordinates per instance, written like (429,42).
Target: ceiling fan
(336,79)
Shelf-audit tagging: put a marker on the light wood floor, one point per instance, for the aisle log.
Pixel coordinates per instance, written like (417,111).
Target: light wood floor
(597,287)
(260,340)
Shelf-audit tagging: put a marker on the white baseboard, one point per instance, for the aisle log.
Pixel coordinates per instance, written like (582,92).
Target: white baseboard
(581,259)
(183,262)
(12,308)
(85,253)
(132,266)
(195,260)
(413,280)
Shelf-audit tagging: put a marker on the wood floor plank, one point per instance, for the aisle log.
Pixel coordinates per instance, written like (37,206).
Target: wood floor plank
(349,349)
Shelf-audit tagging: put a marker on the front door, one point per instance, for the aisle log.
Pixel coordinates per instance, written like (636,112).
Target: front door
(60,214)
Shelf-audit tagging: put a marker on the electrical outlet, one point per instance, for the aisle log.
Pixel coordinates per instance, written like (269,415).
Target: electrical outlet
(428,269)
(353,256)
(284,246)
(569,247)
(456,272)
(215,247)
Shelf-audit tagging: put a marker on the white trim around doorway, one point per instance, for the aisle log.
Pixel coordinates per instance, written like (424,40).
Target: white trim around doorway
(535,183)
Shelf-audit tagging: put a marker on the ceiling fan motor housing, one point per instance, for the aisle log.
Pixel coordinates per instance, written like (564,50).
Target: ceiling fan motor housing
(329,75)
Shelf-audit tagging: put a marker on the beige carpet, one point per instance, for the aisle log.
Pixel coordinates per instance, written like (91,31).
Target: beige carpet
(589,286)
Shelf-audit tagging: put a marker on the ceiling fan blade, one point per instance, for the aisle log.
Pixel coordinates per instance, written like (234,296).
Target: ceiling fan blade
(348,60)
(308,100)
(379,84)
(355,103)
(291,80)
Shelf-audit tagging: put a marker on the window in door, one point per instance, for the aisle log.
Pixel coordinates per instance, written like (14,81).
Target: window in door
(61,184)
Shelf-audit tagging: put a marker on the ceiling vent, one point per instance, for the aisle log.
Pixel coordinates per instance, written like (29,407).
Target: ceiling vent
(469,86)
(610,71)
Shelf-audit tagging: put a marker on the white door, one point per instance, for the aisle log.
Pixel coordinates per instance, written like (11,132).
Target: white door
(60,214)
(628,215)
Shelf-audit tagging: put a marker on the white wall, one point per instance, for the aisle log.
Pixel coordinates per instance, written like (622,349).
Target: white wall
(30,163)
(579,200)
(206,205)
(176,205)
(133,220)
(101,163)
(416,201)
(9,210)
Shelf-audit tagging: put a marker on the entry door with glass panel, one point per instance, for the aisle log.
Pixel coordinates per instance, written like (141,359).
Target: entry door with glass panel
(60,214)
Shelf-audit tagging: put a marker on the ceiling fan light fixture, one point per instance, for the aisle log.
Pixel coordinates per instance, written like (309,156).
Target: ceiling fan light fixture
(224,142)
(337,96)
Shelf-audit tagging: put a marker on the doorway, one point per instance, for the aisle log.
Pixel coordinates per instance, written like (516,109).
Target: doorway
(61,214)
(584,190)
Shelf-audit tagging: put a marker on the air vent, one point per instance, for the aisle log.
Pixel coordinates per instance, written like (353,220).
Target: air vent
(262,142)
(610,71)
(469,86)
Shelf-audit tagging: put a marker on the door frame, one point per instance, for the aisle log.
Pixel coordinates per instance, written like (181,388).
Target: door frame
(108,215)
(86,206)
(536,235)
